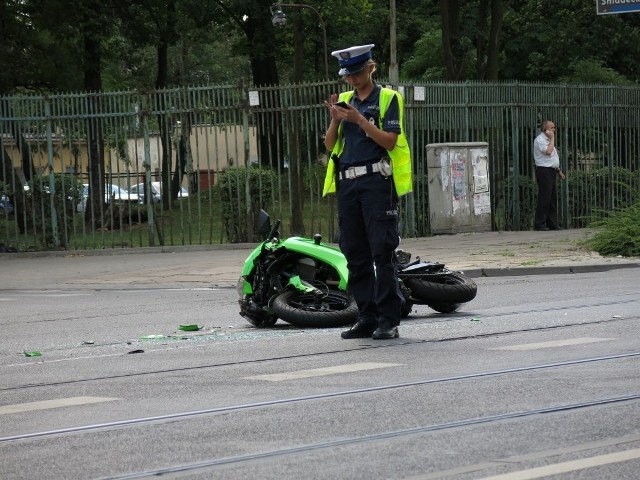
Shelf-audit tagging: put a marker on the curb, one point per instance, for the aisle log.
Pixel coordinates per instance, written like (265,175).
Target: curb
(549,270)
(105,252)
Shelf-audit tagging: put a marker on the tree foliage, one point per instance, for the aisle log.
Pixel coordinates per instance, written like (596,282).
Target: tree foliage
(48,46)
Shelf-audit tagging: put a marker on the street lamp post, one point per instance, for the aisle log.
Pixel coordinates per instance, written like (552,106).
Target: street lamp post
(278,19)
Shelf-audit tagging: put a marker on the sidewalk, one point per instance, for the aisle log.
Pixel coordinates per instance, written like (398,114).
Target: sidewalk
(477,254)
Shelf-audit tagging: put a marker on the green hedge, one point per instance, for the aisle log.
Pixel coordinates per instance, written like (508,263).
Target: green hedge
(232,193)
(592,195)
(38,202)
(619,233)
(516,213)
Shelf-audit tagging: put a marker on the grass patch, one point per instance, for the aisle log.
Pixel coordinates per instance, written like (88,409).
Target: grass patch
(194,220)
(618,234)
(189,222)
(530,263)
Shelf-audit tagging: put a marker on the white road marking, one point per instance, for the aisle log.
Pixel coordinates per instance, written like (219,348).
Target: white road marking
(571,466)
(57,295)
(555,343)
(527,457)
(319,372)
(47,404)
(44,295)
(181,289)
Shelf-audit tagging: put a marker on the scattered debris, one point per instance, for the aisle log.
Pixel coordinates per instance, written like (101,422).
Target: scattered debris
(190,327)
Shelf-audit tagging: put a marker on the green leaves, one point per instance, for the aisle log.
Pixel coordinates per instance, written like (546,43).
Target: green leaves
(619,233)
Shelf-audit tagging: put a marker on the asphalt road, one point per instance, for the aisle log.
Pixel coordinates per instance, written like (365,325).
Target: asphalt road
(536,377)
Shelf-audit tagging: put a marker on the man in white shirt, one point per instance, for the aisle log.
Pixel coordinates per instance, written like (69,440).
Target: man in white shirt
(547,162)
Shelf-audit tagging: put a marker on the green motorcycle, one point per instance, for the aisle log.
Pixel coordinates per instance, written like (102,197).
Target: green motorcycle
(304,282)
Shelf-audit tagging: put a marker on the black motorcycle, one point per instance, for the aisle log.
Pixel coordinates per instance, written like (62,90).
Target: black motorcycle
(432,284)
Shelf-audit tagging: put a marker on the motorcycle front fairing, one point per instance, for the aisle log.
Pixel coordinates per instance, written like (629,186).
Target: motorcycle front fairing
(303,280)
(326,254)
(244,286)
(305,247)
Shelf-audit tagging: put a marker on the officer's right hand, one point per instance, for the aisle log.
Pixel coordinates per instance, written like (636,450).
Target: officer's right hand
(329,104)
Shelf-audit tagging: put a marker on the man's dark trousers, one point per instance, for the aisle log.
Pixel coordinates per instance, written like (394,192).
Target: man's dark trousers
(546,214)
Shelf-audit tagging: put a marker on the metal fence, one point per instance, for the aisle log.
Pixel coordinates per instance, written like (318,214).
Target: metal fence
(62,153)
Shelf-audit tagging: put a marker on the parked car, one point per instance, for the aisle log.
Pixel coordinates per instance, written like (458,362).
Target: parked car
(82,204)
(138,189)
(5,205)
(119,194)
(156,190)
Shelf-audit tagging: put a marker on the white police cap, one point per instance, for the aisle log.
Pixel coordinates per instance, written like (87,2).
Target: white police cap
(353,59)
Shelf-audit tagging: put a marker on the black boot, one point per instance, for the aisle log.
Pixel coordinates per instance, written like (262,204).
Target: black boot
(382,333)
(361,329)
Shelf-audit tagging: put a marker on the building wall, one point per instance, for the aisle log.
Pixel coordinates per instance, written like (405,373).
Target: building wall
(213,149)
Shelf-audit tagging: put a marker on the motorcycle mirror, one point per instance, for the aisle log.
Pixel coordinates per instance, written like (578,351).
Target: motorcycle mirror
(263,223)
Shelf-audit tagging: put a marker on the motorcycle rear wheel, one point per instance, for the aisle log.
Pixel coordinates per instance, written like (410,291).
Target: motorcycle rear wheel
(305,310)
(442,288)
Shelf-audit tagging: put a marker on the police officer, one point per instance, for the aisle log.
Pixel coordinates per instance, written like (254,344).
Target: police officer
(367,170)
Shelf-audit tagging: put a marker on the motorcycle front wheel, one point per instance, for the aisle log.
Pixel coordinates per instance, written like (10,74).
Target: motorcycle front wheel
(307,310)
(444,307)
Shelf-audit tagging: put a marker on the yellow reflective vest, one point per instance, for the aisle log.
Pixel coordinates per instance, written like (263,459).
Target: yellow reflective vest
(400,155)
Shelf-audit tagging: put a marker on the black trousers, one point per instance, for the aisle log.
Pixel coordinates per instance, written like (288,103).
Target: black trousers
(368,219)
(546,213)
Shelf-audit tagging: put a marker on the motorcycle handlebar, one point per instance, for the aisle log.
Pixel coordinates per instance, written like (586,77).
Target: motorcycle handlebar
(274,230)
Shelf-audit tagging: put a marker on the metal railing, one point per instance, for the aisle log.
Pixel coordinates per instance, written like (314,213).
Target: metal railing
(190,137)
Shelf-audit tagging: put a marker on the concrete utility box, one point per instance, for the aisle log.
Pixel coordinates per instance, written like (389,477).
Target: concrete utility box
(459,197)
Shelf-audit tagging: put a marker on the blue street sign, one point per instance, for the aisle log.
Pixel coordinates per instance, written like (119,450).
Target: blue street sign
(605,7)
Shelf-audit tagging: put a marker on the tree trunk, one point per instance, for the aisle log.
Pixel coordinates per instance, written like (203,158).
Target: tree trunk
(481,40)
(93,83)
(182,155)
(295,147)
(453,55)
(164,122)
(493,50)
(167,35)
(27,171)
(260,48)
